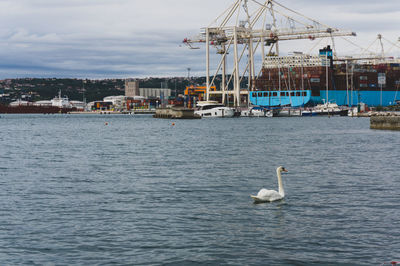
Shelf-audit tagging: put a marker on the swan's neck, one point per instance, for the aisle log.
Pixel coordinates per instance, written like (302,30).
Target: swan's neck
(280,184)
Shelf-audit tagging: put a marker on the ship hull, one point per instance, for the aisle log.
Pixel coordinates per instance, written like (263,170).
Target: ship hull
(31,109)
(374,82)
(271,99)
(340,97)
(352,98)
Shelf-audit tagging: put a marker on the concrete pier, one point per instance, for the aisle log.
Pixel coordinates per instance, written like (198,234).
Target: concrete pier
(176,113)
(385,122)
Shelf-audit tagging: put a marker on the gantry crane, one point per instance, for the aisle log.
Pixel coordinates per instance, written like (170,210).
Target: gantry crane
(245,24)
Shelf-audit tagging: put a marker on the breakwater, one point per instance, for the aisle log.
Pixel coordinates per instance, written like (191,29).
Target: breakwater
(385,122)
(176,113)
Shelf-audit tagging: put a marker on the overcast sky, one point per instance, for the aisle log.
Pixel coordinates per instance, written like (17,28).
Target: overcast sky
(135,38)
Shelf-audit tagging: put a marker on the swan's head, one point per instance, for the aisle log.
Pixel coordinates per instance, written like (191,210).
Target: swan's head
(282,169)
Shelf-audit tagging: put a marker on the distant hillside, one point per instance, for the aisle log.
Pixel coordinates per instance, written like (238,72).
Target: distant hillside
(35,89)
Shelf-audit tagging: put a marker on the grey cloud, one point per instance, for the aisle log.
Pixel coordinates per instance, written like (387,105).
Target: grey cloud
(124,38)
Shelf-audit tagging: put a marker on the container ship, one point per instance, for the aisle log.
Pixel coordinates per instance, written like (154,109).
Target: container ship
(57,105)
(301,80)
(30,108)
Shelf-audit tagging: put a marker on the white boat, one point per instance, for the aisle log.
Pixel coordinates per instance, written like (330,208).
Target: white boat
(256,111)
(329,109)
(288,112)
(61,102)
(213,109)
(353,112)
(325,109)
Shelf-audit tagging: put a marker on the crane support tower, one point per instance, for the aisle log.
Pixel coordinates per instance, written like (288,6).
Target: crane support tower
(249,27)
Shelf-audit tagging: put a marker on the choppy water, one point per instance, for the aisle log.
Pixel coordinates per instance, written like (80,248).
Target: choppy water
(139,190)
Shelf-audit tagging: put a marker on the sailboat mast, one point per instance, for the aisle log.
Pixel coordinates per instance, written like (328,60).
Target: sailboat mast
(290,91)
(327,76)
(347,83)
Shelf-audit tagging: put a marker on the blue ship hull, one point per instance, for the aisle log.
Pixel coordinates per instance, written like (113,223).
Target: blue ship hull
(375,83)
(371,97)
(271,99)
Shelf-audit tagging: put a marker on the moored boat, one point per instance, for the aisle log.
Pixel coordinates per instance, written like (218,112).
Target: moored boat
(325,109)
(256,111)
(287,112)
(34,109)
(213,109)
(57,105)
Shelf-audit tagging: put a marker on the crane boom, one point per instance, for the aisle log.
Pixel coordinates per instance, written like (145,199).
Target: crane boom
(228,33)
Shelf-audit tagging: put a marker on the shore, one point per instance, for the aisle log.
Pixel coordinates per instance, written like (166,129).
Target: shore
(130,112)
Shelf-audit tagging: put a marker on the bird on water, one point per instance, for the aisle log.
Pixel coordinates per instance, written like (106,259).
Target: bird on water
(266,195)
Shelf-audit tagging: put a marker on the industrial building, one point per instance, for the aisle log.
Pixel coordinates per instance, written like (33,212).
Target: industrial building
(134,98)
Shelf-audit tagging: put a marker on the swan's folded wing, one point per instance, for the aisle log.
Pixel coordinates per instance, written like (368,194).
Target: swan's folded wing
(265,193)
(268,195)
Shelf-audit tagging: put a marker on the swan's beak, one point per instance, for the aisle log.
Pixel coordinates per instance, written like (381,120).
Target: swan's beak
(284,170)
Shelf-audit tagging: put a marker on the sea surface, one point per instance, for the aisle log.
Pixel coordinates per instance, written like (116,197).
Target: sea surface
(135,190)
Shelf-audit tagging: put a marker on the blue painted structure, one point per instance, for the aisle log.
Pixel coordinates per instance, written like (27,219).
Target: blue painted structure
(300,98)
(270,99)
(371,98)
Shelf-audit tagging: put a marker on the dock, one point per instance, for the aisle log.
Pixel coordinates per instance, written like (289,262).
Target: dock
(385,122)
(107,112)
(176,113)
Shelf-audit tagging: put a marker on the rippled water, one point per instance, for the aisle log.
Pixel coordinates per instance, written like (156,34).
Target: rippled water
(138,190)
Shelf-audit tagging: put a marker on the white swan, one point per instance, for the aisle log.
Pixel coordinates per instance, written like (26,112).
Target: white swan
(265,195)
